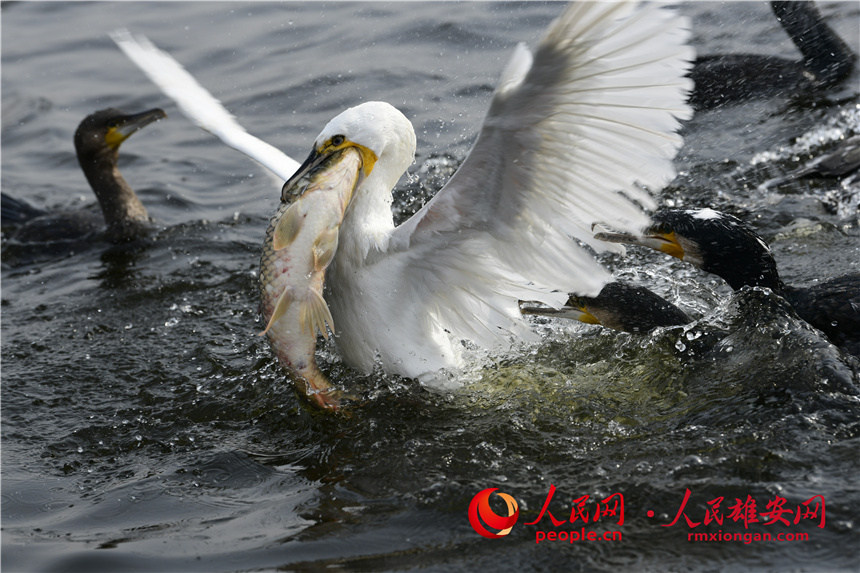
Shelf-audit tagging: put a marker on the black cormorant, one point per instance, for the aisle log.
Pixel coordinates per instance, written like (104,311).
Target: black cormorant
(123,217)
(724,245)
(827,61)
(619,306)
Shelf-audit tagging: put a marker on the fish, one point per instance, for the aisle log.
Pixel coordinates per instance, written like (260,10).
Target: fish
(300,243)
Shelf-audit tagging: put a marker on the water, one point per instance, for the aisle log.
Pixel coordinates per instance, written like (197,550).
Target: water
(147,427)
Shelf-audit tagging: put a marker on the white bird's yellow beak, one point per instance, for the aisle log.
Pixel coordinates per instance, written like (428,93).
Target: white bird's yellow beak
(318,159)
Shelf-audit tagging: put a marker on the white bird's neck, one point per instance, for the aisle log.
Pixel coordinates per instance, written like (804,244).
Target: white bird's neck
(369,222)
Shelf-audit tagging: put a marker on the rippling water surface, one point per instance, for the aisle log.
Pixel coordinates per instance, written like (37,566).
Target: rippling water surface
(147,427)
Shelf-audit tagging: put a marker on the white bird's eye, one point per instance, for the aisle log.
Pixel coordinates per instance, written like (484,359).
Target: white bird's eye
(337,140)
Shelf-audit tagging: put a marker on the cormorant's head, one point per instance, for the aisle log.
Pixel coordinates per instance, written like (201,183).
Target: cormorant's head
(100,134)
(627,307)
(619,306)
(97,142)
(715,242)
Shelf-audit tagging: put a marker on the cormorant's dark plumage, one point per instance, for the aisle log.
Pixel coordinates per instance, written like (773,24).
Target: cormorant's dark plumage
(123,217)
(833,307)
(827,61)
(14,212)
(826,57)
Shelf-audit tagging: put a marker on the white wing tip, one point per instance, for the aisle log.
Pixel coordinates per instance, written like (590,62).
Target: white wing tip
(197,104)
(516,69)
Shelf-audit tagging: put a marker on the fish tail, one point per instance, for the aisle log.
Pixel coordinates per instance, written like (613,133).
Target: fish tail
(316,388)
(314,314)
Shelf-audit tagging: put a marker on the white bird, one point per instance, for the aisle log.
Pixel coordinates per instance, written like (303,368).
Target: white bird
(576,134)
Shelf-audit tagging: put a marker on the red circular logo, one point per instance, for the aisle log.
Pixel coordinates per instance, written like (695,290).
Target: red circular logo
(480,510)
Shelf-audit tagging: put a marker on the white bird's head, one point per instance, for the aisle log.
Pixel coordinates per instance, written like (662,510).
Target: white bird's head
(382,135)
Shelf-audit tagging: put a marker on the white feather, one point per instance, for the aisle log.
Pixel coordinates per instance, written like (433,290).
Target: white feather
(199,105)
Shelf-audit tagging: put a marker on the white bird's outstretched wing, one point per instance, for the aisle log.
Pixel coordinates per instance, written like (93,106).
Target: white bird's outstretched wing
(198,105)
(574,136)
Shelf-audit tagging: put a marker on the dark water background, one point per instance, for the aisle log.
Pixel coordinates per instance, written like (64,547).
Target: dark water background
(146,427)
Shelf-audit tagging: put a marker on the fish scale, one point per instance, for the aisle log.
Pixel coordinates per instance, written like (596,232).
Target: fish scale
(300,243)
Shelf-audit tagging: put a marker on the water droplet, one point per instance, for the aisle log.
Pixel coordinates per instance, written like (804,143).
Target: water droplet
(680,346)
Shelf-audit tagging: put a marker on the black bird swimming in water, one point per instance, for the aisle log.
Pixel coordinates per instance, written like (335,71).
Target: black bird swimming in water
(619,306)
(723,245)
(827,60)
(123,217)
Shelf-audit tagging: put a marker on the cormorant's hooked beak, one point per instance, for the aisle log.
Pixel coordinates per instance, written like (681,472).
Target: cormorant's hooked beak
(575,310)
(656,237)
(126,125)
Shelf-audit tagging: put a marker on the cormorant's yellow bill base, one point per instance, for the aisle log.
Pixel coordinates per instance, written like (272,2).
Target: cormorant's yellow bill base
(668,243)
(663,241)
(586,316)
(123,126)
